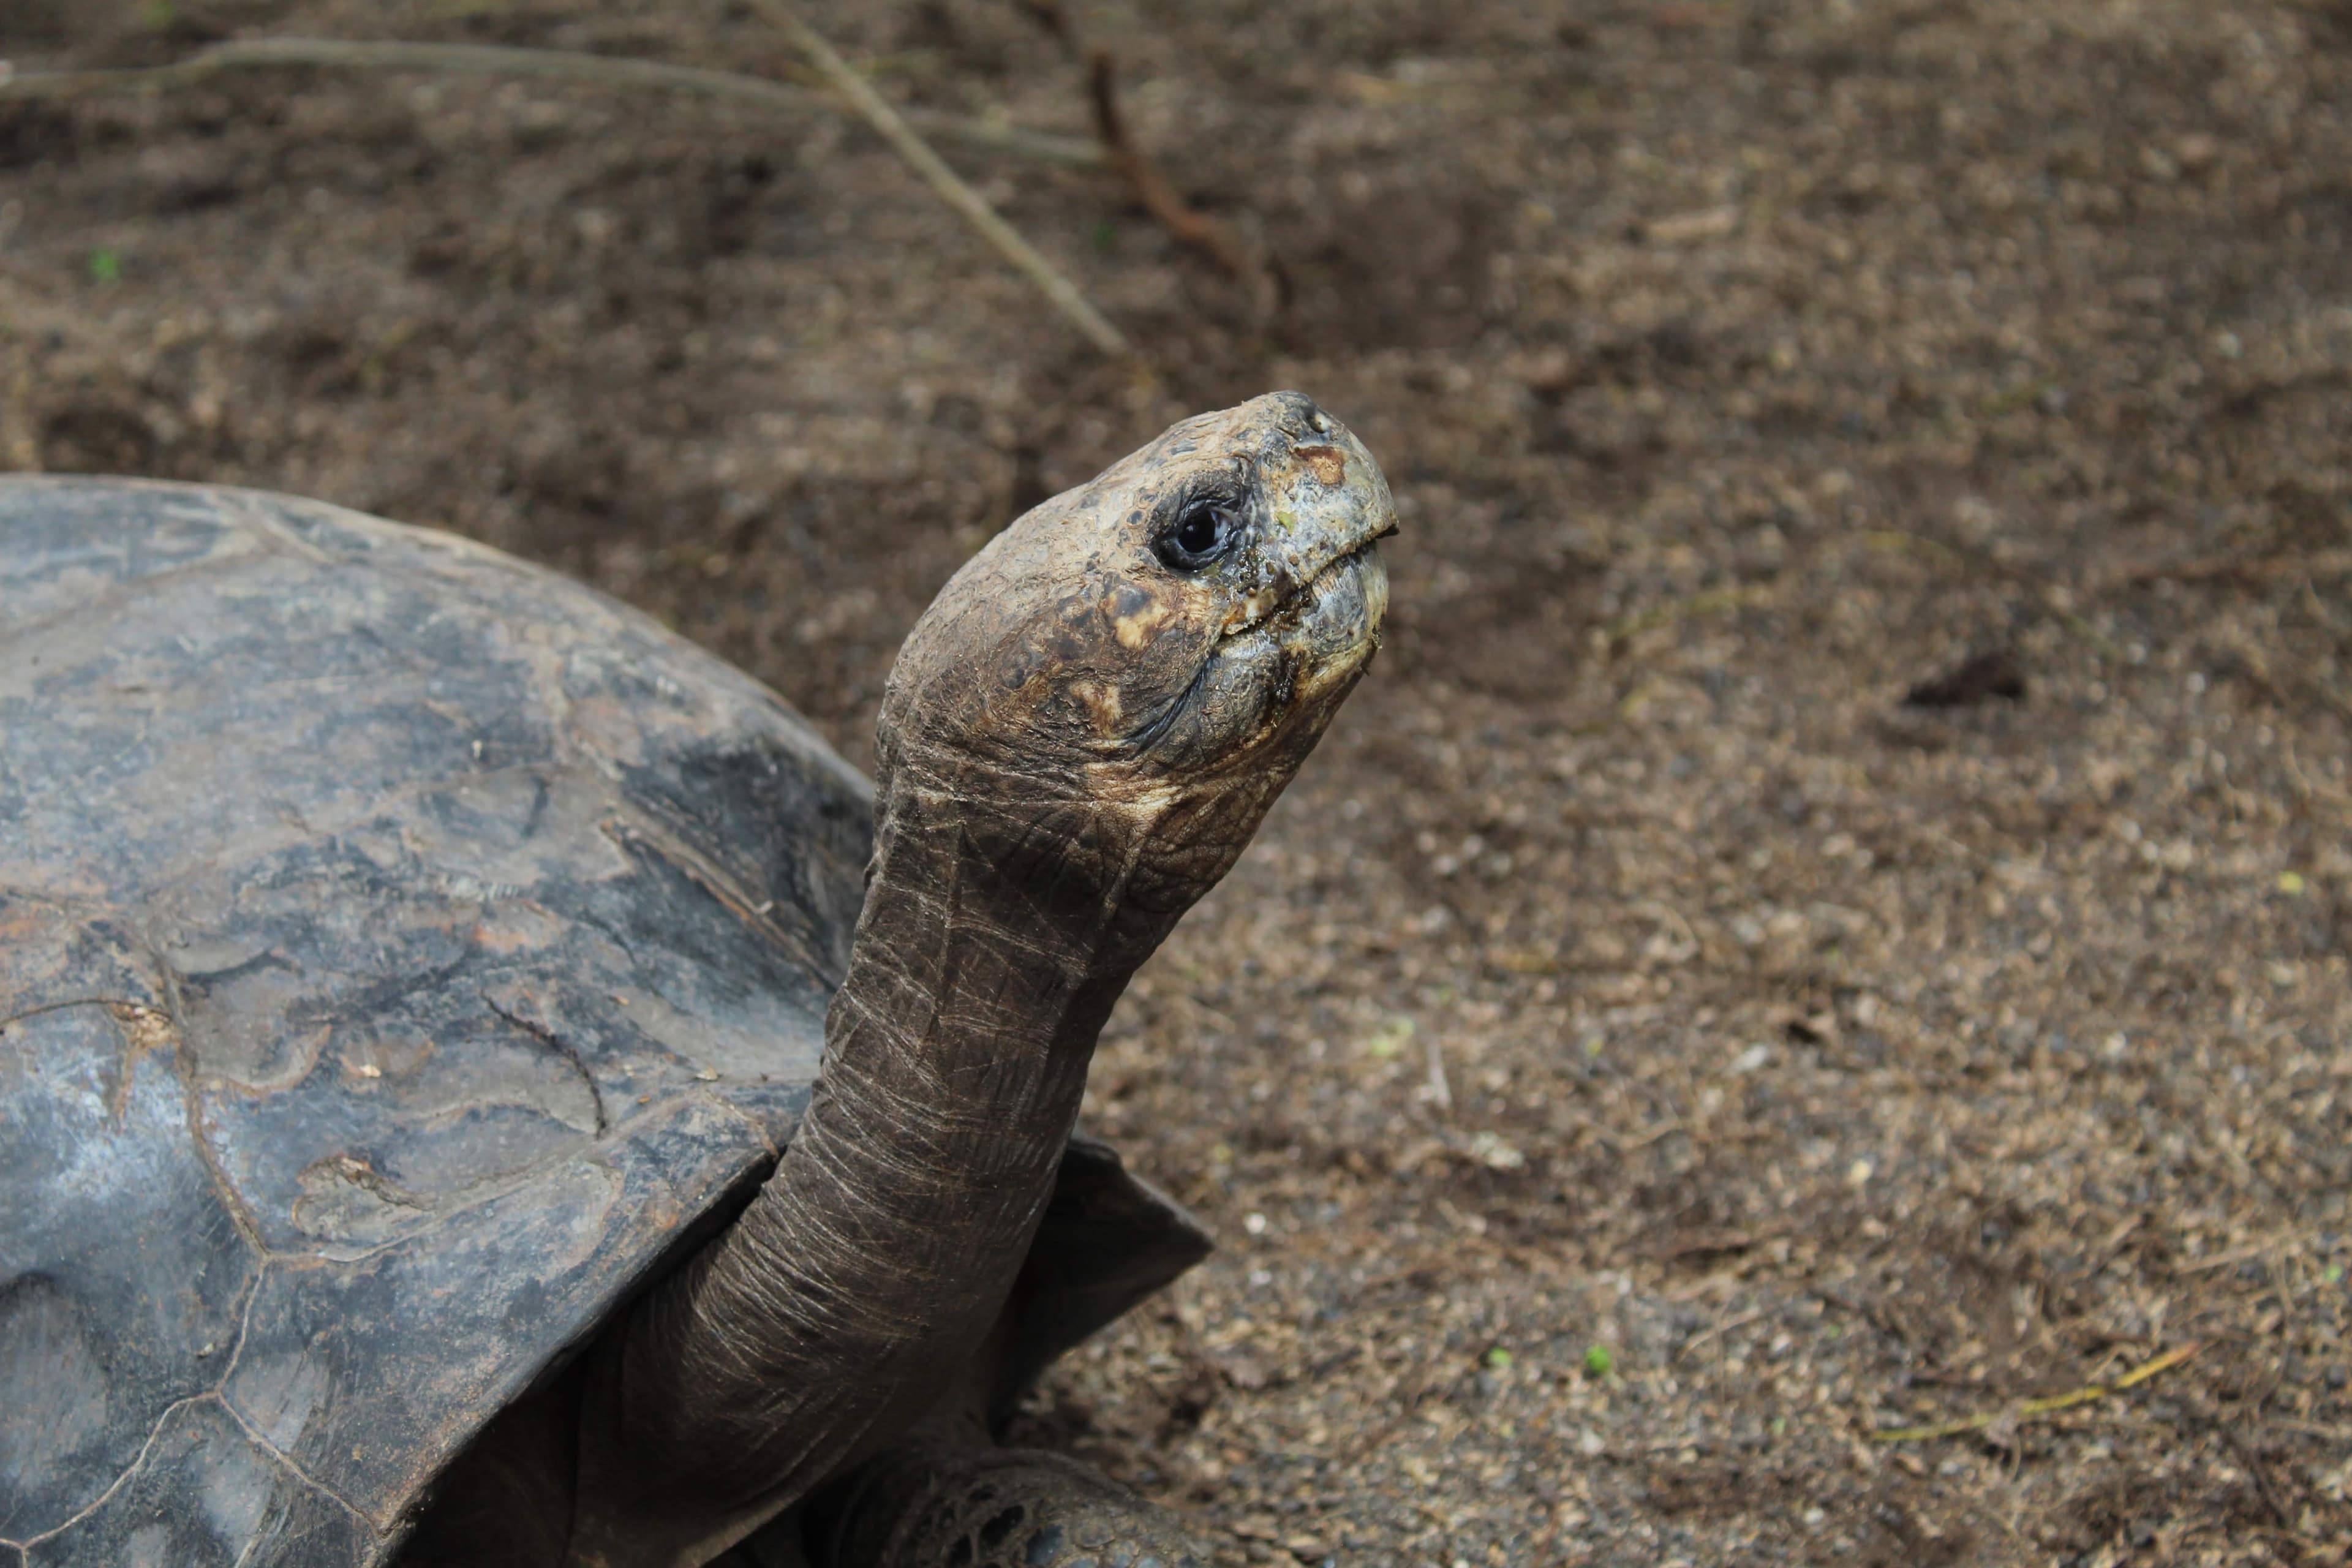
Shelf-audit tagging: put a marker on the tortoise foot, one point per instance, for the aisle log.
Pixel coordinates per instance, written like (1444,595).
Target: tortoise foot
(932,1503)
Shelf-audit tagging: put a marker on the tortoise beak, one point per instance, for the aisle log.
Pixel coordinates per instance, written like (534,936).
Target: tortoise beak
(1327,502)
(1330,505)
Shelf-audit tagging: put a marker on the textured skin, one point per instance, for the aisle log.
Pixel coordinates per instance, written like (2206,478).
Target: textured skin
(940,1500)
(411,976)
(1078,738)
(400,950)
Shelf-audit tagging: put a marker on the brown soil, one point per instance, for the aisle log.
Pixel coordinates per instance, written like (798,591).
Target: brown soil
(1646,1055)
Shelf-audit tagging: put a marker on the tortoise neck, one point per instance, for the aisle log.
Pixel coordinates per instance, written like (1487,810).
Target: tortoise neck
(991,950)
(957,1048)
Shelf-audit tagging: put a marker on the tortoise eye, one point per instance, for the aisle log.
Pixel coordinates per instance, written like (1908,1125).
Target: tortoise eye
(1204,532)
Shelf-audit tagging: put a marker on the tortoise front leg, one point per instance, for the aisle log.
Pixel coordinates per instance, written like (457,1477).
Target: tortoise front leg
(945,1497)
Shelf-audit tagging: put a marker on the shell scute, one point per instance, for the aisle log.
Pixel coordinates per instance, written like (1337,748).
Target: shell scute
(403,953)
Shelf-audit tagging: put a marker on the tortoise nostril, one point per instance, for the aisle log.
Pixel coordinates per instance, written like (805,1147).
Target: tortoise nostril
(1298,411)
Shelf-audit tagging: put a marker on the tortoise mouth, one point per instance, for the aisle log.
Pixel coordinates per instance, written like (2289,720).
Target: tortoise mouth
(1348,561)
(1278,676)
(1309,593)
(1351,593)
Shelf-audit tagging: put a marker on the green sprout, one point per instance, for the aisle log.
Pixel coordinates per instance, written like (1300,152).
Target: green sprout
(1598,1361)
(1389,1040)
(105,266)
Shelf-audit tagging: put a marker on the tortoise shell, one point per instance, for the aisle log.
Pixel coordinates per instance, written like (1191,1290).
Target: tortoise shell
(404,954)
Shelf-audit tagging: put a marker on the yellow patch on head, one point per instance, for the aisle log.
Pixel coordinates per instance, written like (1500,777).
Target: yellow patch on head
(1135,616)
(1102,701)
(1253,609)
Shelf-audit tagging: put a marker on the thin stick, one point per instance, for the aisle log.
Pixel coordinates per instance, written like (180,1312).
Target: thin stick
(2237,1255)
(1441,1092)
(944,181)
(2219,568)
(1150,187)
(2048,1405)
(1704,1335)
(483,59)
(1713,602)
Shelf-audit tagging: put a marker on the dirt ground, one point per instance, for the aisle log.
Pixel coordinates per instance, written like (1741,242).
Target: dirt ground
(1831,913)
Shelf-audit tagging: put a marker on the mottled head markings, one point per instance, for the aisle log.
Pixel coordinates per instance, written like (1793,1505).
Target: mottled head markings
(1329,464)
(1180,655)
(1135,614)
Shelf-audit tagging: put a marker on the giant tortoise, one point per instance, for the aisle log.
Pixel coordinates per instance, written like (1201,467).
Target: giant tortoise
(480,1082)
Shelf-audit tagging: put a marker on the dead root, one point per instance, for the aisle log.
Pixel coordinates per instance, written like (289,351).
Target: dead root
(1219,241)
(2001,1425)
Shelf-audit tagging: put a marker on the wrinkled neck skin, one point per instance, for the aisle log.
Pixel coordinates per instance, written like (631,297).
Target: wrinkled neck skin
(998,931)
(1077,741)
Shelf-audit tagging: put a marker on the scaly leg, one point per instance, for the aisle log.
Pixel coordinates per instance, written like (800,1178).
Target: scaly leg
(945,1497)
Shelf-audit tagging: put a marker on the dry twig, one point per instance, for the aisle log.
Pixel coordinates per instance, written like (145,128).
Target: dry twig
(483,59)
(945,182)
(1718,1332)
(2047,1406)
(2321,564)
(2237,1255)
(1216,240)
(1712,602)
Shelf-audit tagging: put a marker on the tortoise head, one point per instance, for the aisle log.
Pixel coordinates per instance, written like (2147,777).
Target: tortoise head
(1156,651)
